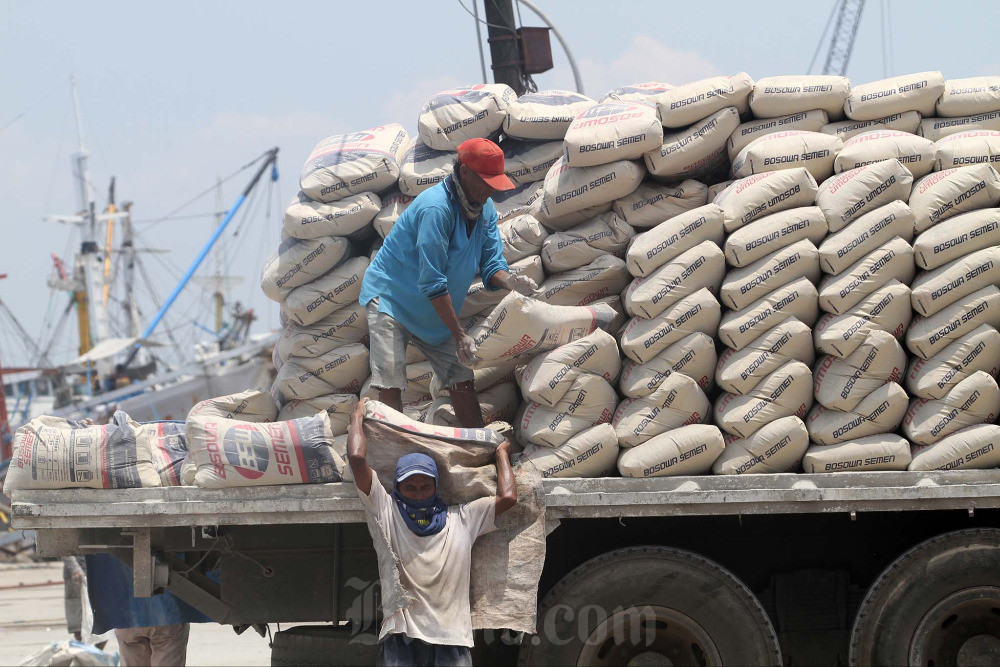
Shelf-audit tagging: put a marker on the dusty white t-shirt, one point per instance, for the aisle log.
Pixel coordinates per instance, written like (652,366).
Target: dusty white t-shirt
(435,569)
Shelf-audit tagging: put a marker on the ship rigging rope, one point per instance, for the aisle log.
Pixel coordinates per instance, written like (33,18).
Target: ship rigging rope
(31,107)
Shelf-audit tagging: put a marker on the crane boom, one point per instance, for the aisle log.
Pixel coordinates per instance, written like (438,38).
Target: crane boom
(844,31)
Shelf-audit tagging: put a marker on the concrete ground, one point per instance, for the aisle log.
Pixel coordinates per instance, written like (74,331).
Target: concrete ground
(32,615)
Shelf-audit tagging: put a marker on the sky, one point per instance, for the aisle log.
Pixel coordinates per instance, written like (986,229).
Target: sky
(175,94)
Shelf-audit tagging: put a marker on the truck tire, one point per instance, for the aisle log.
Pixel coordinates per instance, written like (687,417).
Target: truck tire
(318,645)
(937,604)
(651,605)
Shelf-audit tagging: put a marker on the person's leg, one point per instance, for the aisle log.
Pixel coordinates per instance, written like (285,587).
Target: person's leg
(133,646)
(169,645)
(466,403)
(452,656)
(387,347)
(457,379)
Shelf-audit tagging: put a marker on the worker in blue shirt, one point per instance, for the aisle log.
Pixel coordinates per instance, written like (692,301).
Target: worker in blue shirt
(417,282)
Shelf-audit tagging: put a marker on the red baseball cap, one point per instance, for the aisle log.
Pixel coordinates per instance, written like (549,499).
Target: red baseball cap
(486,159)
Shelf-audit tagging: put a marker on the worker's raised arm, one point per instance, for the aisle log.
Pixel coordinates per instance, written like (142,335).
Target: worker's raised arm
(357,449)
(506,486)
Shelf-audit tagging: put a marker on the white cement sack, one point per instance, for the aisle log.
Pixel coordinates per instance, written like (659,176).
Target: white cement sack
(974,400)
(907,121)
(677,402)
(748,199)
(568,221)
(252,405)
(938,128)
(739,371)
(879,412)
(570,189)
(686,105)
(653,203)
(308,219)
(604,234)
(642,339)
(865,234)
(545,115)
(885,309)
(522,200)
(797,299)
(654,248)
(933,290)
(840,384)
(891,261)
(965,97)
(590,453)
(423,168)
(340,371)
(697,151)
(590,400)
(965,148)
(479,299)
(766,235)
(338,408)
(913,152)
(773,448)
(485,377)
(745,285)
(638,91)
(846,197)
(690,450)
(933,378)
(528,162)
(910,92)
(522,237)
(783,95)
(785,392)
(605,276)
(717,188)
(973,448)
(300,261)
(313,301)
(873,452)
(945,194)
(394,203)
(353,163)
(468,112)
(549,376)
(927,336)
(347,325)
(612,131)
(693,356)
(497,404)
(814,151)
(810,121)
(701,267)
(168,450)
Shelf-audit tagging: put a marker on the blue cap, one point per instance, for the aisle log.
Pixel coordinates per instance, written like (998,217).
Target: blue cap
(415,464)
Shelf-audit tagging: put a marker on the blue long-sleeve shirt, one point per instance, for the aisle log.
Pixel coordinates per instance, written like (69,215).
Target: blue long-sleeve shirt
(428,253)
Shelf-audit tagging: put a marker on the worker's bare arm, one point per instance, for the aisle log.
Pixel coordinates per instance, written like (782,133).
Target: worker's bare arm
(506,486)
(357,449)
(499,279)
(445,309)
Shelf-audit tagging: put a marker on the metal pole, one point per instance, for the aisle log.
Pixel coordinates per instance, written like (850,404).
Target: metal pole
(555,31)
(504,51)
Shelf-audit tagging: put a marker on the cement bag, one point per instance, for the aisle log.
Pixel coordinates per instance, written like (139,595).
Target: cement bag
(885,309)
(945,194)
(764,236)
(933,378)
(847,196)
(696,151)
(569,189)
(964,234)
(890,261)
(167,448)
(693,356)
(929,335)
(783,95)
(745,285)
(338,408)
(965,148)
(308,219)
(910,92)
(773,448)
(353,163)
(809,121)
(300,261)
(469,112)
(521,200)
(590,453)
(496,404)
(840,384)
(549,376)
(394,203)
(754,197)
(739,371)
(873,452)
(545,115)
(605,276)
(933,290)
(814,151)
(522,237)
(715,189)
(974,400)
(479,299)
(590,400)
(528,162)
(965,97)
(865,234)
(568,221)
(938,128)
(638,91)
(341,327)
(309,303)
(521,327)
(973,448)
(605,234)
(651,250)
(56,453)
(879,412)
(485,377)
(907,121)
(678,401)
(642,339)
(785,392)
(686,105)
(423,168)
(612,131)
(913,152)
(653,203)
(690,450)
(701,267)
(339,371)
(797,299)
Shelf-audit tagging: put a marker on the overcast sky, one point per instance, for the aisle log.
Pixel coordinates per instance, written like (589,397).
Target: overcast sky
(174,94)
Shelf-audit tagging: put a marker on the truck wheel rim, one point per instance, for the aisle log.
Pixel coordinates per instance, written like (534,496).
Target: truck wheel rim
(961,629)
(646,636)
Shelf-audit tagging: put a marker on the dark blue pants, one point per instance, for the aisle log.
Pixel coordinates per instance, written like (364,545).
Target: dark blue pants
(398,650)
